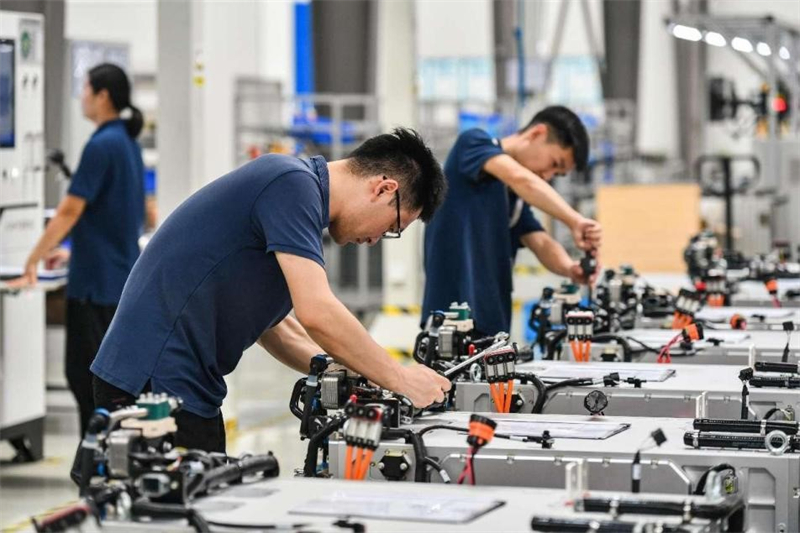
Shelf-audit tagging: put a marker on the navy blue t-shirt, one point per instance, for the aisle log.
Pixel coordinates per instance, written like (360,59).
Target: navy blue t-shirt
(208,284)
(471,241)
(105,241)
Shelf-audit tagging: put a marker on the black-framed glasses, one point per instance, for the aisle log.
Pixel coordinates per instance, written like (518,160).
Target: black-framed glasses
(395,234)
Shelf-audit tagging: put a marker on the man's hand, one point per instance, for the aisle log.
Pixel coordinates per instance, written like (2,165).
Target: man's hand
(339,334)
(56,258)
(587,233)
(576,274)
(423,386)
(28,278)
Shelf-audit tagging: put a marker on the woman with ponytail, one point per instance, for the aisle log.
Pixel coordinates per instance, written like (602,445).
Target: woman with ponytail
(103,213)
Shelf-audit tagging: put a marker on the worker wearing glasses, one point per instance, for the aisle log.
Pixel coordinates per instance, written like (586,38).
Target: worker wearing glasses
(472,241)
(230,263)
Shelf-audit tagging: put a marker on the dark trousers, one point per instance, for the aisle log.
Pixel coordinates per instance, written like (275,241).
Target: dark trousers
(194,432)
(87,324)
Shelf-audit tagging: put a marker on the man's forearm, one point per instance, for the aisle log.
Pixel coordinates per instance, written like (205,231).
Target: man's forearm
(549,252)
(289,343)
(345,339)
(531,188)
(541,195)
(58,228)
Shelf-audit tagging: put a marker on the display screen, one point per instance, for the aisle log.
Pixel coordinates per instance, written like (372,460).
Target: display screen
(6,93)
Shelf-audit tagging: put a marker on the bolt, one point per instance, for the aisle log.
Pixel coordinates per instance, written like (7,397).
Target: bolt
(403,466)
(381,466)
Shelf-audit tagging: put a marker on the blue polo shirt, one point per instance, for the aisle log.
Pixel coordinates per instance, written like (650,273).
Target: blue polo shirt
(208,283)
(472,240)
(105,240)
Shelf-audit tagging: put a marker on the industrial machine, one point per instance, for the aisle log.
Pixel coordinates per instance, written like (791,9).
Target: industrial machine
(719,347)
(127,468)
(22,164)
(617,453)
(634,389)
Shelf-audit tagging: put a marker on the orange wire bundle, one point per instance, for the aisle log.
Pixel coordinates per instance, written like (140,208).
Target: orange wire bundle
(580,328)
(500,370)
(362,434)
(581,350)
(481,432)
(686,305)
(691,333)
(680,321)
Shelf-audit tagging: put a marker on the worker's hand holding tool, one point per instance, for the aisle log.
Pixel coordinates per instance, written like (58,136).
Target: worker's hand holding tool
(578,276)
(423,386)
(587,233)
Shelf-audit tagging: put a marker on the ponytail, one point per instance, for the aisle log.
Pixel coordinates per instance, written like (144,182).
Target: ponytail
(135,122)
(114,80)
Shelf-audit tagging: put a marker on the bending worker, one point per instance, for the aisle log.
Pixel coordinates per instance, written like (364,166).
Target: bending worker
(103,212)
(229,264)
(472,242)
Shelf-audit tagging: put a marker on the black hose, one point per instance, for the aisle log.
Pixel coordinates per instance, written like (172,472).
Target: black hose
(582,525)
(146,508)
(627,352)
(83,466)
(420,452)
(417,344)
(553,342)
(315,442)
(700,489)
(541,390)
(574,382)
(294,399)
(771,412)
(439,468)
(646,347)
(783,368)
(788,382)
(236,471)
(745,426)
(421,457)
(738,442)
(708,511)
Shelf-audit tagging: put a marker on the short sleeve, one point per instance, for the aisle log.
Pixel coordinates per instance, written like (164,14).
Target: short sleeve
(527,223)
(475,147)
(289,213)
(88,180)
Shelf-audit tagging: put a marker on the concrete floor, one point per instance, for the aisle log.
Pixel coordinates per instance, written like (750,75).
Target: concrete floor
(261,388)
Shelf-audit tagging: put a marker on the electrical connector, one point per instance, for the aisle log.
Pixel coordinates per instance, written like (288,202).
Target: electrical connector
(580,330)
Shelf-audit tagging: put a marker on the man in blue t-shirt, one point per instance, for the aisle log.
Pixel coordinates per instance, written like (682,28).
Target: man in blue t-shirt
(472,241)
(230,263)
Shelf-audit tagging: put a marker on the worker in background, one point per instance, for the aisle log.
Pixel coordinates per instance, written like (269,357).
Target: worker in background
(225,269)
(472,242)
(103,213)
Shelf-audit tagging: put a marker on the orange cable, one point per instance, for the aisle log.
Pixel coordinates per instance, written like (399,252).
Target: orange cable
(509,393)
(348,462)
(366,458)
